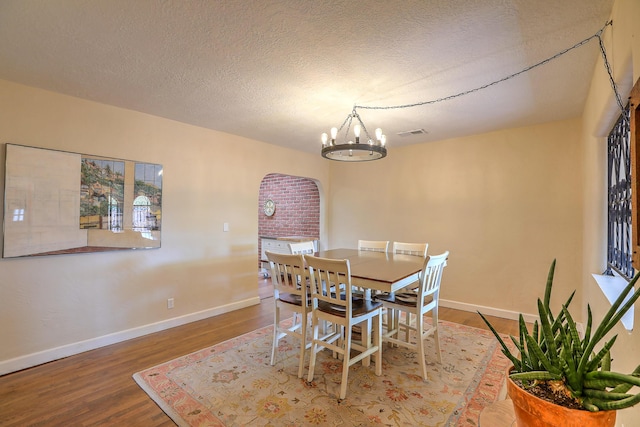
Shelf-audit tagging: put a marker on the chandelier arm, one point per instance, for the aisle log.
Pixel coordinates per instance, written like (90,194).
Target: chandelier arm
(344,123)
(346,133)
(364,128)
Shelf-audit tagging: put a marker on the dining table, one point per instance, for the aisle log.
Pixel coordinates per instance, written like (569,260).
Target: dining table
(378,271)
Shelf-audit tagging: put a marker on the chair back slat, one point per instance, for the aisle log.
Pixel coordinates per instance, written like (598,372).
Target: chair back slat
(431,277)
(373,245)
(302,248)
(288,274)
(330,281)
(417,249)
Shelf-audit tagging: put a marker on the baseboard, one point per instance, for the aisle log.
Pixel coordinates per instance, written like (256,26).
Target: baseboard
(34,359)
(490,311)
(505,314)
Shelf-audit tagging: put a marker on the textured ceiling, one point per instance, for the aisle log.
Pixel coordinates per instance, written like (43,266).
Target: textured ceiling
(285,71)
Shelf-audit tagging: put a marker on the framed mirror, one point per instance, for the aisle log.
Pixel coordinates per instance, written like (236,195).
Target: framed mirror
(57,202)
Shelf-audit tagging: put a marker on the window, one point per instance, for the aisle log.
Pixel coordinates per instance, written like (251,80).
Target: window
(148,190)
(634,141)
(142,218)
(623,237)
(619,247)
(18,215)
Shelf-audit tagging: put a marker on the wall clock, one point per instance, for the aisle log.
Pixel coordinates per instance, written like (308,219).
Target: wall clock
(269,207)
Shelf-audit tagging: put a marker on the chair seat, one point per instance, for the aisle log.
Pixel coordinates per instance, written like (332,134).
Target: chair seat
(359,306)
(408,299)
(293,299)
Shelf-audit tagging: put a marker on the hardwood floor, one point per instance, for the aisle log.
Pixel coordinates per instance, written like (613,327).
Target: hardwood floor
(96,388)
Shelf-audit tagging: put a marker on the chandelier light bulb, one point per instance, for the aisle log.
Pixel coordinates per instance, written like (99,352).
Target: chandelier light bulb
(378,134)
(383,140)
(325,138)
(356,132)
(334,133)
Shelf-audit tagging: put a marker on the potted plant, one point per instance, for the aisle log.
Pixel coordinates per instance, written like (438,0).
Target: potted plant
(564,372)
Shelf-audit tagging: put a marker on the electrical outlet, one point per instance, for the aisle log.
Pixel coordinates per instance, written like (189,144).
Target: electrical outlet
(169,303)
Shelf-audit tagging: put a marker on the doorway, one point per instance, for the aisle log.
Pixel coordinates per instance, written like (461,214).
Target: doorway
(287,206)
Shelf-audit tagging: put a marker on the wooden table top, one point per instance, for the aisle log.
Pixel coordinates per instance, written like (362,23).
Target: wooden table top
(381,271)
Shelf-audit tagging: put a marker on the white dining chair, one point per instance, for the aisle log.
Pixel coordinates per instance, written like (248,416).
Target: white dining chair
(414,249)
(419,303)
(306,248)
(343,311)
(287,274)
(302,248)
(373,245)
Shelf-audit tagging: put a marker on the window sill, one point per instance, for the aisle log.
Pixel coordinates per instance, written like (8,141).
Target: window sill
(612,287)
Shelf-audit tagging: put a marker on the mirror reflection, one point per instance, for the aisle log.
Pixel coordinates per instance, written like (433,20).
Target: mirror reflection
(59,202)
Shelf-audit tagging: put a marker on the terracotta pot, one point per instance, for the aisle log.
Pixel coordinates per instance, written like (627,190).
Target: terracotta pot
(531,411)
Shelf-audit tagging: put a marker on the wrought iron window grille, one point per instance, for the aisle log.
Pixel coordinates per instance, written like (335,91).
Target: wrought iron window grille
(619,245)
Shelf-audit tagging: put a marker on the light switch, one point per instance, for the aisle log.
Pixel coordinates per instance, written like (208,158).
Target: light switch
(225,226)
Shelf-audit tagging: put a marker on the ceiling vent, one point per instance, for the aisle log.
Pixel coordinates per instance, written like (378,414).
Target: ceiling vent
(413,132)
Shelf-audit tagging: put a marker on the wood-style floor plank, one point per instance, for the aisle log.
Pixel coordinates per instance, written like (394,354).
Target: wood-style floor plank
(96,388)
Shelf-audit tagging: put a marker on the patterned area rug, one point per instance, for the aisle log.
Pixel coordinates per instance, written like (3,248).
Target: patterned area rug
(232,384)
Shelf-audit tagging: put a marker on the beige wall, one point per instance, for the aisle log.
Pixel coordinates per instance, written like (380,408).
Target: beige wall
(505,204)
(63,304)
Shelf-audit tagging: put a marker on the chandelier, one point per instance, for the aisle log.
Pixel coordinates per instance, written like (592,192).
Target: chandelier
(352,150)
(347,147)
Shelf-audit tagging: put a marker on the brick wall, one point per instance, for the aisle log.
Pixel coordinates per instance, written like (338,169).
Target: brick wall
(297,207)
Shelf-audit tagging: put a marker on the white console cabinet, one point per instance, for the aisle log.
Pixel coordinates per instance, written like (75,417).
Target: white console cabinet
(273,245)
(281,245)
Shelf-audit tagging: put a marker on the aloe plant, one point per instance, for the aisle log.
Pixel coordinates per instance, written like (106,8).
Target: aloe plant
(553,351)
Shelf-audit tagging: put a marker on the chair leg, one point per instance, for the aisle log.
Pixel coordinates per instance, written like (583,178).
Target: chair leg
(303,343)
(339,342)
(314,347)
(420,344)
(436,338)
(392,323)
(276,333)
(408,329)
(397,323)
(366,340)
(377,341)
(345,362)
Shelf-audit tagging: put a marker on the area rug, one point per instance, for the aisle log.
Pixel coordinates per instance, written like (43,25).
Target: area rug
(233,384)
